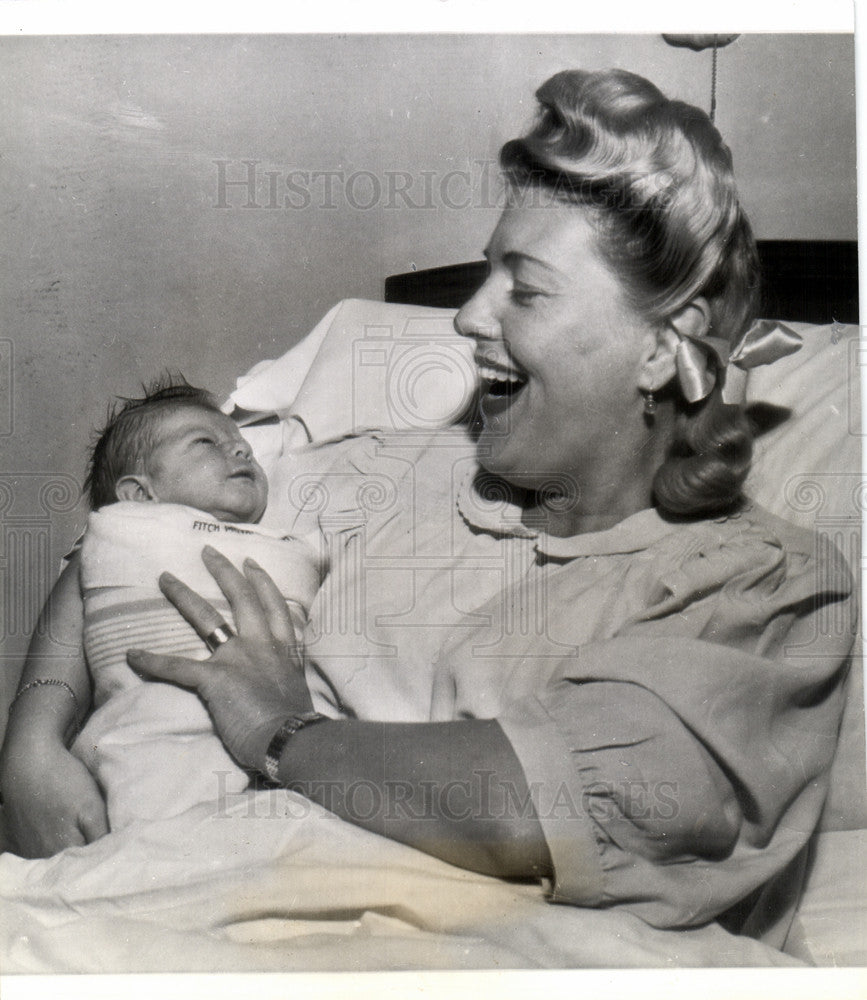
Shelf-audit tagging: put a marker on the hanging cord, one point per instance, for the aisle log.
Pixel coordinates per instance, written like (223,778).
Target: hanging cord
(713,81)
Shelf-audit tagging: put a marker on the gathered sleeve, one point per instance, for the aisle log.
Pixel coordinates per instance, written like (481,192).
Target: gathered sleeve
(681,761)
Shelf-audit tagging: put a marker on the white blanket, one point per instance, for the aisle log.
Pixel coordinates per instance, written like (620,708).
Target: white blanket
(268,882)
(152,746)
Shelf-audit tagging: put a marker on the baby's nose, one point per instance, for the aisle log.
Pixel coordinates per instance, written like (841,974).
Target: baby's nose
(242,449)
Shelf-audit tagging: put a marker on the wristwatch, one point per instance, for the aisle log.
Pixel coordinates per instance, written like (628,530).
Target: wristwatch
(282,737)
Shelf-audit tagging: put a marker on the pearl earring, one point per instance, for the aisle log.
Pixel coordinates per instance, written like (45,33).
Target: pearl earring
(649,405)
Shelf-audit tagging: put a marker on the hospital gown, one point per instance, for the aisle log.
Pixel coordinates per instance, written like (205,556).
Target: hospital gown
(672,688)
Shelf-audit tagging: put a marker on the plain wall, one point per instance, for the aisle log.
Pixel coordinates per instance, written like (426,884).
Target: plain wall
(117,259)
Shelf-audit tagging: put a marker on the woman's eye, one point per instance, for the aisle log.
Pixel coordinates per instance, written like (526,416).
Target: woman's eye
(524,296)
(204,440)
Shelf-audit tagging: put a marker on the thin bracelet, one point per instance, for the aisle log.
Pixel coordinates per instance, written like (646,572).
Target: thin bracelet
(46,682)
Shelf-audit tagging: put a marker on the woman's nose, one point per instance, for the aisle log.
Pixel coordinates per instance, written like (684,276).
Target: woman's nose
(476,318)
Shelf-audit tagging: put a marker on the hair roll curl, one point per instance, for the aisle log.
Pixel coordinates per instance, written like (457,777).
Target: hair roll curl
(658,183)
(708,462)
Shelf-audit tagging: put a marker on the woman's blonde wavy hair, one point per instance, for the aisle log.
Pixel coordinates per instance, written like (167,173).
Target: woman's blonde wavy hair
(657,180)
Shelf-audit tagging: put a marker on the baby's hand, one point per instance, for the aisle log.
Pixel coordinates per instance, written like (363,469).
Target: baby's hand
(50,802)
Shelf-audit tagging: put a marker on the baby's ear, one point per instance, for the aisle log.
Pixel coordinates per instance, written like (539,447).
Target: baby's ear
(136,488)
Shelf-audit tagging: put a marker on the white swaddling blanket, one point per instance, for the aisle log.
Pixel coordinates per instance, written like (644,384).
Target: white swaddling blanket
(151,745)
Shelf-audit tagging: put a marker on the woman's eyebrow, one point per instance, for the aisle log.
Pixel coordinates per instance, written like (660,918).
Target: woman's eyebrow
(513,257)
(518,256)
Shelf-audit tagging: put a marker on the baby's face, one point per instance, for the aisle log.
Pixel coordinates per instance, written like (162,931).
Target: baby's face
(202,461)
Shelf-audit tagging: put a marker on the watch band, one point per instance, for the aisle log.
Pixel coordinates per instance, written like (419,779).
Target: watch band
(282,737)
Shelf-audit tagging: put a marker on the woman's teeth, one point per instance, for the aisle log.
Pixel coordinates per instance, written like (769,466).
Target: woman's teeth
(501,381)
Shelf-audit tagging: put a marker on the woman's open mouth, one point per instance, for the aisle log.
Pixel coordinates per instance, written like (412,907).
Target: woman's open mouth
(500,386)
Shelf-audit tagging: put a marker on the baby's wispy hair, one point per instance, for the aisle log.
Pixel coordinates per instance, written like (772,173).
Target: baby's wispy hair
(128,436)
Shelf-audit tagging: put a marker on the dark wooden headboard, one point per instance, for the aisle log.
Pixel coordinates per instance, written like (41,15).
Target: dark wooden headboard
(814,281)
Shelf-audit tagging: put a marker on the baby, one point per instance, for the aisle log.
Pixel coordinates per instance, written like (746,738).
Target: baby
(169,474)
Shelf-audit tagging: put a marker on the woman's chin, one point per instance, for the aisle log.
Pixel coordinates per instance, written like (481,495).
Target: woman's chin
(492,451)
(496,444)
(497,455)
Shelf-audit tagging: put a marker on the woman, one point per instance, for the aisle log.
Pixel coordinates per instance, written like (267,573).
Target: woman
(641,741)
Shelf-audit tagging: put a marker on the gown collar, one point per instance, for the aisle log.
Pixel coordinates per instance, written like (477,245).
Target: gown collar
(489,504)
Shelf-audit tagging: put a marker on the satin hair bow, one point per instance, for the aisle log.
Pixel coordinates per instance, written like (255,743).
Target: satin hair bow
(765,342)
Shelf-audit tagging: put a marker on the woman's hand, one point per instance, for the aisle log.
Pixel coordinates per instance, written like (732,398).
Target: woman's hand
(50,802)
(256,679)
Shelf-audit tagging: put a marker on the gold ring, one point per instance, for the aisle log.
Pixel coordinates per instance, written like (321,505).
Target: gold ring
(222,633)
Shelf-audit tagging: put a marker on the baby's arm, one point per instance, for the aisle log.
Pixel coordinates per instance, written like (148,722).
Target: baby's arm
(50,799)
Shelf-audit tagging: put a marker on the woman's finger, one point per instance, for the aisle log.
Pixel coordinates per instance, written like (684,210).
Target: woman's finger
(250,617)
(273,603)
(198,612)
(174,669)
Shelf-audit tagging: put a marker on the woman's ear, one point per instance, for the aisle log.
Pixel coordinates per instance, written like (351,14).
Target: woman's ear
(691,320)
(659,367)
(137,488)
